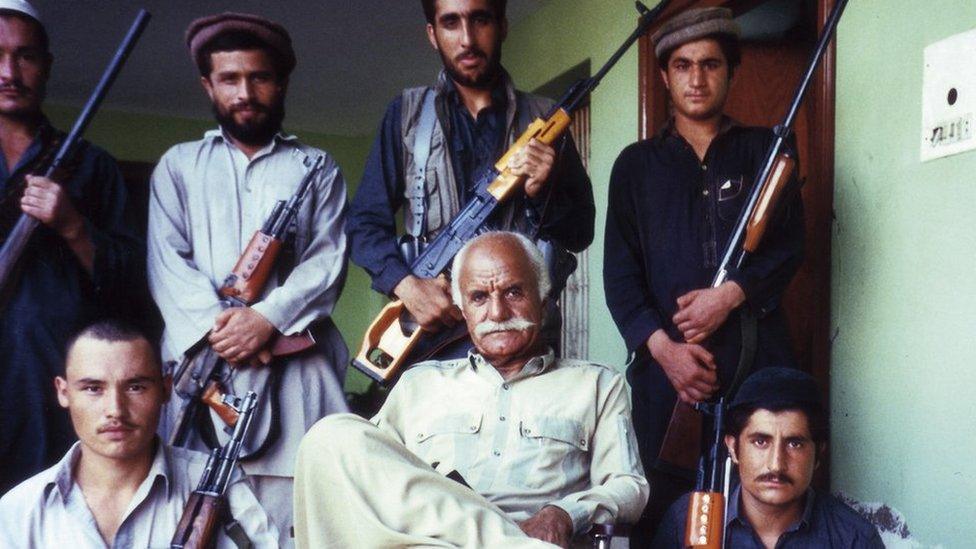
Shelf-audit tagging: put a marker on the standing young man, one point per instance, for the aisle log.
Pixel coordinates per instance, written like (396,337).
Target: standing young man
(673,203)
(77,266)
(208,198)
(119,485)
(475,113)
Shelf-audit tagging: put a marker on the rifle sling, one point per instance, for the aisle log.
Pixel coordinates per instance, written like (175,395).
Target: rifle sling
(747,354)
(208,434)
(236,533)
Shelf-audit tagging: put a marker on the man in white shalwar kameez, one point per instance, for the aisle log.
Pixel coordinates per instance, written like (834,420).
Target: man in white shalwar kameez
(208,198)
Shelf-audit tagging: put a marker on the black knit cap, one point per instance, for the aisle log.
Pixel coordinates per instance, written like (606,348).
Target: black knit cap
(778,387)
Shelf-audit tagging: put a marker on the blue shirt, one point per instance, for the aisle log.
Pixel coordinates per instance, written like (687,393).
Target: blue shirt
(51,296)
(826,522)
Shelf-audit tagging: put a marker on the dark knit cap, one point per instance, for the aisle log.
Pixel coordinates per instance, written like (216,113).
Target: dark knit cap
(693,25)
(205,29)
(778,387)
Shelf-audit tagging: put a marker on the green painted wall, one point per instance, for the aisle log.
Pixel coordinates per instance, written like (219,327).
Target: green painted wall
(145,137)
(559,36)
(904,255)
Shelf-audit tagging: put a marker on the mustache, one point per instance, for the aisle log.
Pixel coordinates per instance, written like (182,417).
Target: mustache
(774,477)
(473,52)
(249,105)
(513,325)
(116,425)
(15,86)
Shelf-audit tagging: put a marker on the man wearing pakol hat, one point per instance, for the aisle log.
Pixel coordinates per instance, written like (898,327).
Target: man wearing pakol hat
(78,266)
(777,435)
(208,198)
(673,203)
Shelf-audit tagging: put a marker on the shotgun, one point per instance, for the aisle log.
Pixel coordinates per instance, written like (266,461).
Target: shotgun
(680,447)
(391,340)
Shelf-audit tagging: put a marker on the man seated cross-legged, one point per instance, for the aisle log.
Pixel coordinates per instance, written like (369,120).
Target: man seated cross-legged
(508,447)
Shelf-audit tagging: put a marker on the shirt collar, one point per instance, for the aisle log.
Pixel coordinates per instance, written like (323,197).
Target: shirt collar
(62,474)
(805,517)
(671,130)
(535,366)
(219,133)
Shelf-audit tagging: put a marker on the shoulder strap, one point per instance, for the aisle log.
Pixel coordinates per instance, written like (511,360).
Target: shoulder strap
(421,152)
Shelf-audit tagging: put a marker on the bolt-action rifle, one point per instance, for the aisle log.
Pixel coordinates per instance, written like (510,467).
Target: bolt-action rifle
(207,508)
(389,341)
(201,374)
(16,242)
(682,439)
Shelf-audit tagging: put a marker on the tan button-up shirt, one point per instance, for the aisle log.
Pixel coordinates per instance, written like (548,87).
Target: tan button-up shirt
(559,433)
(49,509)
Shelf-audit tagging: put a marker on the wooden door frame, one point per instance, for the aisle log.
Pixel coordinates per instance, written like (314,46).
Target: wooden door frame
(820,100)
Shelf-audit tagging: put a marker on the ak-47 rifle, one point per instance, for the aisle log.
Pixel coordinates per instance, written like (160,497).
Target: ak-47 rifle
(201,374)
(708,505)
(682,439)
(388,342)
(17,240)
(207,508)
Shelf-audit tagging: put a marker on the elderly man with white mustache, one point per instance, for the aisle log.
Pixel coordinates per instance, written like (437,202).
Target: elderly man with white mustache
(509,447)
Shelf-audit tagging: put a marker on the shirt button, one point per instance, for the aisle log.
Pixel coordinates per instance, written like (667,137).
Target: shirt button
(497,453)
(505,386)
(473,428)
(705,192)
(704,167)
(502,418)
(420,435)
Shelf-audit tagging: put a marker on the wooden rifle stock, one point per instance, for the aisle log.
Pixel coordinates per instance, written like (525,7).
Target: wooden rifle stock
(388,342)
(201,520)
(772,190)
(705,525)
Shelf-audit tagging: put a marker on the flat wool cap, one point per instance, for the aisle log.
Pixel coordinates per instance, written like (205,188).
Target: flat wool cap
(692,25)
(205,29)
(778,386)
(21,6)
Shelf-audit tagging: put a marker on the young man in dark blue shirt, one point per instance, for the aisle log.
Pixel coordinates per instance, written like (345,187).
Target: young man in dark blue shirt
(479,113)
(673,202)
(777,436)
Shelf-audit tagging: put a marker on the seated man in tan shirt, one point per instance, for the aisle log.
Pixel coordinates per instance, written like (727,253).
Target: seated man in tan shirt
(509,447)
(119,486)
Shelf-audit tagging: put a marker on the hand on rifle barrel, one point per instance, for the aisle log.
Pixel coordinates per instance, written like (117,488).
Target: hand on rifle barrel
(534,161)
(690,367)
(701,312)
(49,203)
(239,333)
(429,301)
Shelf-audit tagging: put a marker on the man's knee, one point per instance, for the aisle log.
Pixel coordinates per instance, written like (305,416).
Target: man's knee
(333,436)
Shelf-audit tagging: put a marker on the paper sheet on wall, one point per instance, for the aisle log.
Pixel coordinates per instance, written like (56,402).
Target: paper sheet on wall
(949,97)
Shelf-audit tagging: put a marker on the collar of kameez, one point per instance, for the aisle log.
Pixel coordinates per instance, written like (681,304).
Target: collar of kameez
(218,133)
(670,129)
(63,474)
(535,366)
(735,511)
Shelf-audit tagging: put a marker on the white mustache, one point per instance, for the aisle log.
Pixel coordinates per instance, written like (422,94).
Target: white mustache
(512,325)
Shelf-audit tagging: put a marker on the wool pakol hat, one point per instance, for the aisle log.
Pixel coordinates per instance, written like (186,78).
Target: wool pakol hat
(205,29)
(21,6)
(771,387)
(693,25)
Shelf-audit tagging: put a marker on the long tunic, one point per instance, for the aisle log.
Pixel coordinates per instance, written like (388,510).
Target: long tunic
(207,200)
(52,296)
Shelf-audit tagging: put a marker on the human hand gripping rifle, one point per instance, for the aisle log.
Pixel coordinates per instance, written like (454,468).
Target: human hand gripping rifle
(16,241)
(682,439)
(388,342)
(207,508)
(201,374)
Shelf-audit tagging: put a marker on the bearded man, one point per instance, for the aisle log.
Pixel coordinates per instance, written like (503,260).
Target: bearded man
(433,146)
(508,447)
(208,198)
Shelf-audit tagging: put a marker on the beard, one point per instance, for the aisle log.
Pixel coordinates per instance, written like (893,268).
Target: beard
(256,132)
(481,81)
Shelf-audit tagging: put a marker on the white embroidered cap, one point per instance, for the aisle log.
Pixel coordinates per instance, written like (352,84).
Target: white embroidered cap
(23,7)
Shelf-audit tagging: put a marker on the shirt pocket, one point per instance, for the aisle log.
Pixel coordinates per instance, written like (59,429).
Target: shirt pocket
(555,452)
(731,195)
(448,439)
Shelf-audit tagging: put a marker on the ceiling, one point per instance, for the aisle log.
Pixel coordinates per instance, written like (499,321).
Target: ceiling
(353,56)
